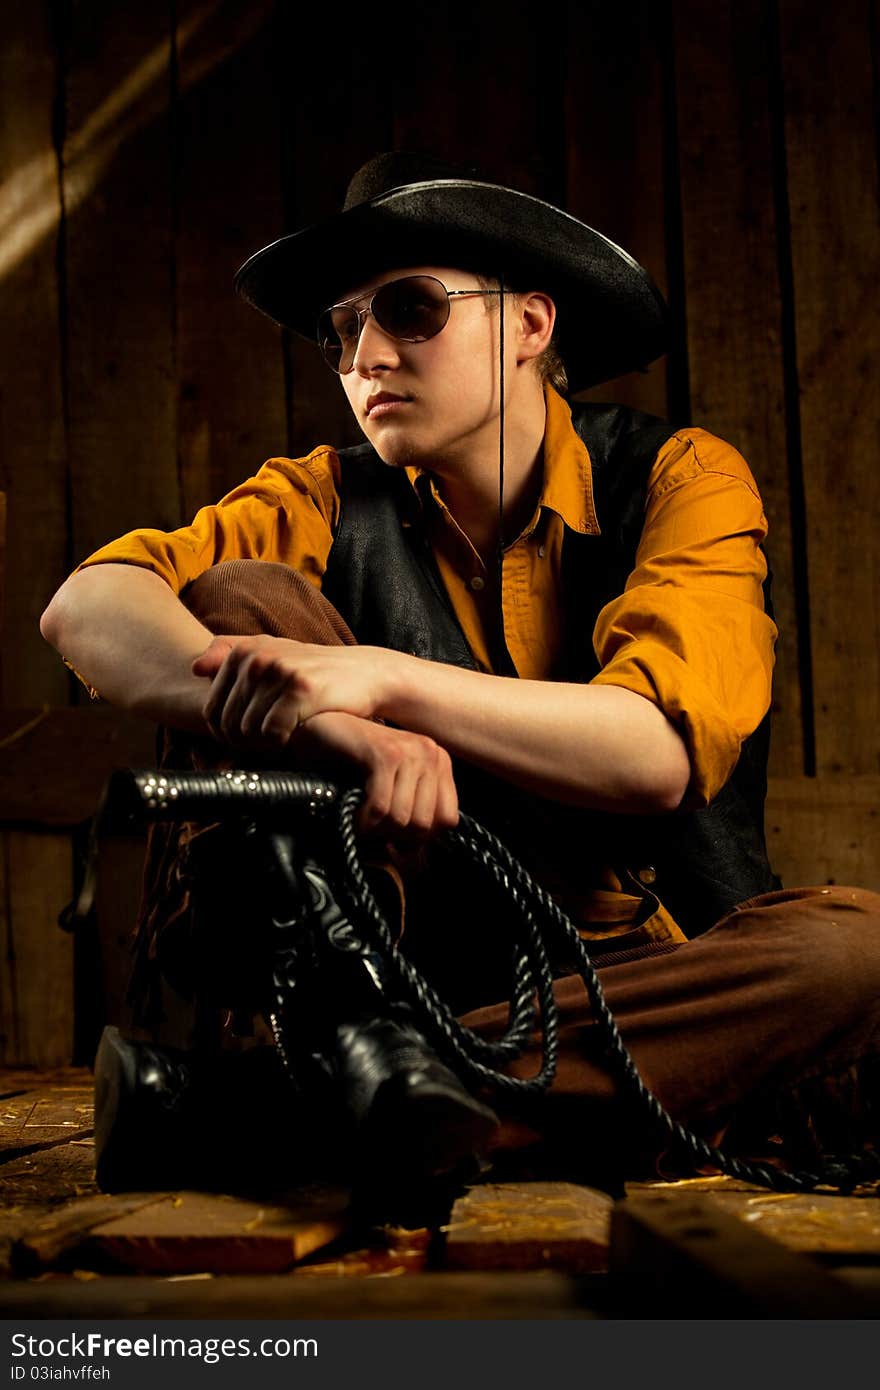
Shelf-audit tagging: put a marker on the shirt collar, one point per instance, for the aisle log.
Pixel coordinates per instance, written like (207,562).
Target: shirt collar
(567,488)
(568,473)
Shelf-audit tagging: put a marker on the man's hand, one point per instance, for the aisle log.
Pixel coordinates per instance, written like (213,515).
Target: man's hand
(409,788)
(317,703)
(263,688)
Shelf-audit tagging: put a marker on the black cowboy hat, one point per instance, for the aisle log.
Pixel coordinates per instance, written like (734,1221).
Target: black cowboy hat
(403,210)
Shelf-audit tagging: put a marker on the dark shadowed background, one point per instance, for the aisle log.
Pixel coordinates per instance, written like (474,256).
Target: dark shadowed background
(146,149)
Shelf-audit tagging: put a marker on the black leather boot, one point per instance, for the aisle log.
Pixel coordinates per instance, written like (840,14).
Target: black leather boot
(413,1119)
(143,1122)
(168,1119)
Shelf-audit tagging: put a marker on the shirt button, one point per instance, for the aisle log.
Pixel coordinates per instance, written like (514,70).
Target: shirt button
(647,875)
(477,583)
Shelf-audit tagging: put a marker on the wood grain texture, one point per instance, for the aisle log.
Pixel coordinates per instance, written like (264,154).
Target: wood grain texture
(36,985)
(335,116)
(227,168)
(120,347)
(528,1225)
(615,151)
(460,1295)
(33,478)
(835,245)
(732,290)
(49,1177)
(834,1228)
(825,830)
(44,1115)
(54,763)
(32,445)
(117,899)
(477,56)
(42,1240)
(193,1231)
(35,1185)
(688,1253)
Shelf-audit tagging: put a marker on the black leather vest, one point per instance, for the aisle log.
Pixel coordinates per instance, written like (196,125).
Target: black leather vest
(383,579)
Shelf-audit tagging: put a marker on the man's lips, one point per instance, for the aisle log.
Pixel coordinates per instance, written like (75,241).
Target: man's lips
(384,403)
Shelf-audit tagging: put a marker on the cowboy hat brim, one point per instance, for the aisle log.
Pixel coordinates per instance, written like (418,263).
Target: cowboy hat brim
(611,318)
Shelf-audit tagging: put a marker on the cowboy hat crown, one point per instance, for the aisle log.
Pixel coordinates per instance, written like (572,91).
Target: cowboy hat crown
(403,209)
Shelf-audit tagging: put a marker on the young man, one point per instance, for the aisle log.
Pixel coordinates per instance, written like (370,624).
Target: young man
(554,615)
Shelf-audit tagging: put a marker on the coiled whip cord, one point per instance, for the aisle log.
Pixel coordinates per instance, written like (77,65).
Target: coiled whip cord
(540,920)
(279,799)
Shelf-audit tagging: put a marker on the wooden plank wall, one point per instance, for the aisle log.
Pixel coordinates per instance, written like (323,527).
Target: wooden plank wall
(145,151)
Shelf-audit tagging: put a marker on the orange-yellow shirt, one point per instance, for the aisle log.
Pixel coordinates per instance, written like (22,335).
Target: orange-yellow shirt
(689,631)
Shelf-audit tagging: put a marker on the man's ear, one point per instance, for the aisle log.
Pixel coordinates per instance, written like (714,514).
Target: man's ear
(536,318)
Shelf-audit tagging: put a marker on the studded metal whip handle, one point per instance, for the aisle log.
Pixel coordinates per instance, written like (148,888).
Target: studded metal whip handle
(134,797)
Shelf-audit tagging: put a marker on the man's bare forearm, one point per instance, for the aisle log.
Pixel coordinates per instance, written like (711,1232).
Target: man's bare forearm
(594,745)
(126,632)
(129,636)
(591,745)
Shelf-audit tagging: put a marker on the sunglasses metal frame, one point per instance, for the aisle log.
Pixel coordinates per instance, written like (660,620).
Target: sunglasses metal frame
(368,309)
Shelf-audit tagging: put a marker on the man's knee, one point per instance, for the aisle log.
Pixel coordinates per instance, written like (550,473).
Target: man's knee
(825,944)
(245,598)
(237,586)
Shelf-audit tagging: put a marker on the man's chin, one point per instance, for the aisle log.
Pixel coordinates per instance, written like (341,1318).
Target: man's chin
(398,450)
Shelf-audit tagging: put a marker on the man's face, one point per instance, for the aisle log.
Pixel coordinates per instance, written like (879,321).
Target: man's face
(433,400)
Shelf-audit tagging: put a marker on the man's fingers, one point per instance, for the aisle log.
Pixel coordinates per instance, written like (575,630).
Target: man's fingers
(252,696)
(281,717)
(212,658)
(265,714)
(423,811)
(378,791)
(218,695)
(446,808)
(406,783)
(410,793)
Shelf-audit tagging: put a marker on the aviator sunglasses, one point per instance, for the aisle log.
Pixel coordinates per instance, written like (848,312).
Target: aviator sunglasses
(411,310)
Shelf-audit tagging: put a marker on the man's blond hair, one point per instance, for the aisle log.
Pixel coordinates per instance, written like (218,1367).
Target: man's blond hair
(549,366)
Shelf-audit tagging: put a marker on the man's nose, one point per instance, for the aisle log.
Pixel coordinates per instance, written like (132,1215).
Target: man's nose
(375,348)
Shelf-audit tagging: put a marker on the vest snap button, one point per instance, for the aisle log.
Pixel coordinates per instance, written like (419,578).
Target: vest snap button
(541,551)
(647,875)
(478,583)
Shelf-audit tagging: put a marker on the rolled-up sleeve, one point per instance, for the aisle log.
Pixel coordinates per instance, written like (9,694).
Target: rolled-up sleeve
(689,632)
(287,513)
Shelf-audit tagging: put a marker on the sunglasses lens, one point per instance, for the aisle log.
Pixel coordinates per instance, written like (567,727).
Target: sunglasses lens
(412,309)
(338,332)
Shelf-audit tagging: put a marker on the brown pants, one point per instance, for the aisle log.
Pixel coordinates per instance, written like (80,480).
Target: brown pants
(781,995)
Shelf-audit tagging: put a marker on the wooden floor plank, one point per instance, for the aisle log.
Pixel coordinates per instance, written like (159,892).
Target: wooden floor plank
(48,1177)
(685,1252)
(33,1117)
(33,1186)
(393,1251)
(191,1232)
(14,1079)
(545,1294)
(46,1239)
(530,1225)
(825,1225)
(819,1225)
(709,1231)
